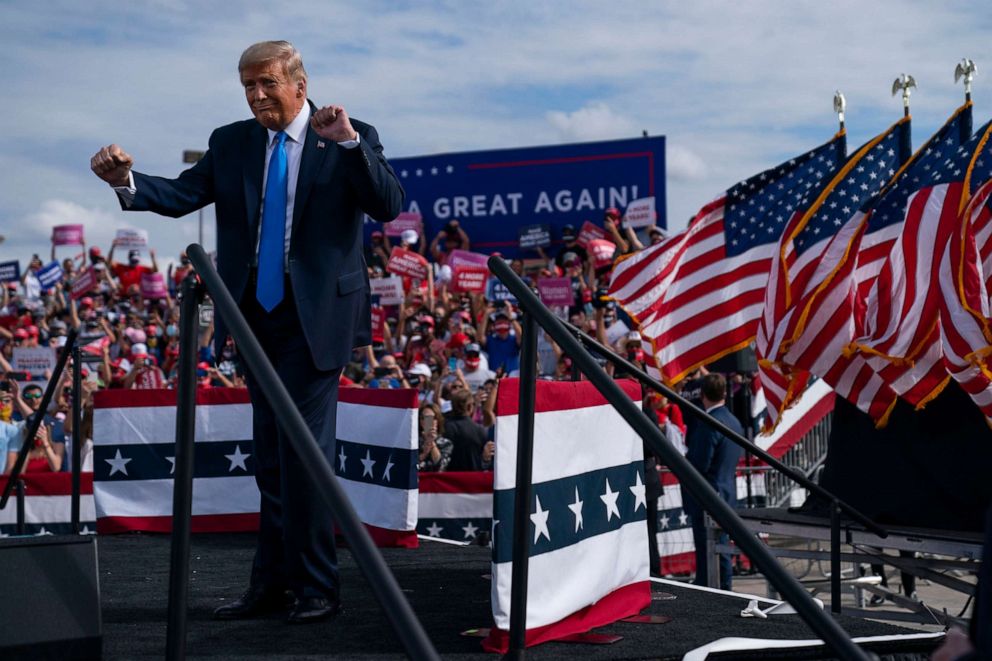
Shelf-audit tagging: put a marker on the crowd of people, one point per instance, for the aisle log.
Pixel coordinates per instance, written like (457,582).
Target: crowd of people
(453,348)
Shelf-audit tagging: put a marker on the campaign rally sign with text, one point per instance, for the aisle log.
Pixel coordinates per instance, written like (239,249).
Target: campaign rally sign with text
(589,232)
(534,236)
(555,291)
(389,290)
(153,286)
(405,221)
(602,252)
(67,235)
(640,213)
(10,271)
(83,284)
(408,263)
(493,193)
(468,278)
(131,239)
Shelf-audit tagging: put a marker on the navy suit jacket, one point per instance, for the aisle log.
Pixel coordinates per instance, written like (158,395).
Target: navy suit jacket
(715,457)
(326,262)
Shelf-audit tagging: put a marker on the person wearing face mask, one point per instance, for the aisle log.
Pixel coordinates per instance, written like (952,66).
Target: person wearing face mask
(130,273)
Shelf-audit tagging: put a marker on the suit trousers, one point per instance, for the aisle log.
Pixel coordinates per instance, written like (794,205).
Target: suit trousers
(296,532)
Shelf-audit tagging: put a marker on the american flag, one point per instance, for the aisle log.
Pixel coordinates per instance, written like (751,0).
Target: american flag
(808,310)
(698,296)
(898,298)
(964,280)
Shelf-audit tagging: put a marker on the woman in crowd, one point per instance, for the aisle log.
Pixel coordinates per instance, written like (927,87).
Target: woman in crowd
(435,449)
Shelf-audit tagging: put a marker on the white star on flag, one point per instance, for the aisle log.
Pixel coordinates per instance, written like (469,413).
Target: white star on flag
(341,459)
(389,467)
(172,469)
(540,521)
(237,459)
(683,518)
(609,499)
(470,530)
(640,499)
(119,464)
(664,521)
(434,530)
(576,508)
(367,464)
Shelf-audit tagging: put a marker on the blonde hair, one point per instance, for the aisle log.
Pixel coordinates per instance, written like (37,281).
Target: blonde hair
(267,51)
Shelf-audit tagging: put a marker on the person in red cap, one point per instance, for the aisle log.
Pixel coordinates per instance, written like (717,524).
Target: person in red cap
(611,222)
(144,374)
(129,274)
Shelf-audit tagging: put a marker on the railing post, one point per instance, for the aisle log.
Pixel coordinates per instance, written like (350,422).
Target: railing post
(522,497)
(19,496)
(182,494)
(835,557)
(77,436)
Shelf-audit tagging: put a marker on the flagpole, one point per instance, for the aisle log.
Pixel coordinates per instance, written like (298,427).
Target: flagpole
(905,84)
(840,105)
(965,69)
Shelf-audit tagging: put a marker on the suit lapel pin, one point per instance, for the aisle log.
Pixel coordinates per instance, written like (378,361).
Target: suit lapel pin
(320,144)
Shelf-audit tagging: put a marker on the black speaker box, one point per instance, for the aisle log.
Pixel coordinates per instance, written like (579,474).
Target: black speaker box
(50,598)
(742,362)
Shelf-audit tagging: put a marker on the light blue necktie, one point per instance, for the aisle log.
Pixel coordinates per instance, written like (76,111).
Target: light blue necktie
(270,287)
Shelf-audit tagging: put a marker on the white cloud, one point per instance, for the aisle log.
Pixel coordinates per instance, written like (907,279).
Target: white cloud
(683,164)
(594,121)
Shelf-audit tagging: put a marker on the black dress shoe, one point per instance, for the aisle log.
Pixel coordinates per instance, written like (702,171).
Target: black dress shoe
(313,609)
(256,601)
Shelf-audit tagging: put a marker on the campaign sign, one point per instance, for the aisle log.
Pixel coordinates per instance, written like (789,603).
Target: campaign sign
(602,252)
(589,232)
(49,274)
(469,278)
(639,213)
(378,322)
(83,284)
(131,239)
(67,235)
(406,221)
(497,291)
(494,193)
(10,271)
(153,286)
(36,360)
(556,291)
(389,290)
(467,258)
(408,263)
(535,236)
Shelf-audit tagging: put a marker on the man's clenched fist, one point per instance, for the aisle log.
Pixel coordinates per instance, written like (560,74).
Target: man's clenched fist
(112,164)
(332,122)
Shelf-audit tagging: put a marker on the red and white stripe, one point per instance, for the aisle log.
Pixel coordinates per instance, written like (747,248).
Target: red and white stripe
(694,302)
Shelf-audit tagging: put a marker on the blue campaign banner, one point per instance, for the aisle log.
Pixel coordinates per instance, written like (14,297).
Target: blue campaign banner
(494,193)
(10,271)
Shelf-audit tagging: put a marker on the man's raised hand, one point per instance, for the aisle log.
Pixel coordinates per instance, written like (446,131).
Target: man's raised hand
(332,122)
(113,165)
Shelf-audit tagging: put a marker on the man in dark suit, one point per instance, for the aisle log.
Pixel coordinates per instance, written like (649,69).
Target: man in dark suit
(715,457)
(290,188)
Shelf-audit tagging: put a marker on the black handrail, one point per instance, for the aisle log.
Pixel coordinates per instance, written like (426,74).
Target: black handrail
(77,435)
(819,621)
(397,609)
(191,293)
(687,406)
(38,418)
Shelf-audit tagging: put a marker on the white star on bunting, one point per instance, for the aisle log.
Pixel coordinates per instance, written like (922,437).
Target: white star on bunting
(434,530)
(119,464)
(640,498)
(367,464)
(576,508)
(470,530)
(386,475)
(341,459)
(609,499)
(540,521)
(237,459)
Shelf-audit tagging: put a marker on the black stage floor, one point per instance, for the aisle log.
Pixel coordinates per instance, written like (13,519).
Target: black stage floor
(446,585)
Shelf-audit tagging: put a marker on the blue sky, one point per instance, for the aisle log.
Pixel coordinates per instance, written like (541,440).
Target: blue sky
(735,87)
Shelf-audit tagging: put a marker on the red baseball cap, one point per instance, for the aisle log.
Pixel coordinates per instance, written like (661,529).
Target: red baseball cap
(86,302)
(20,334)
(458,340)
(32,331)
